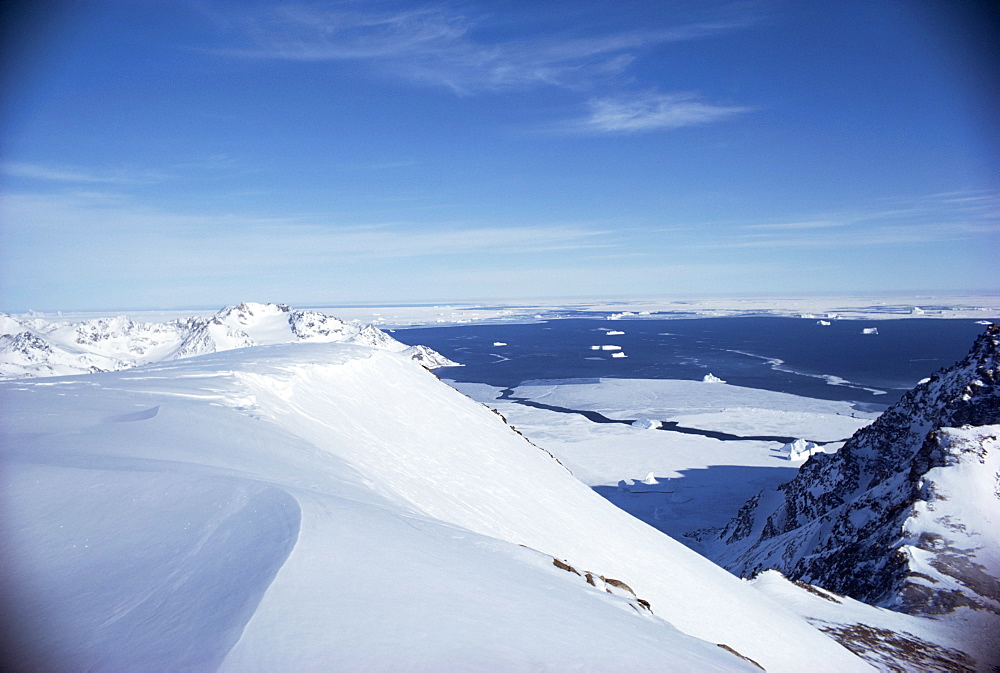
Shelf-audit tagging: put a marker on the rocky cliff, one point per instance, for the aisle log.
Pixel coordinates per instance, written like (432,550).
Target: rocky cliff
(906,515)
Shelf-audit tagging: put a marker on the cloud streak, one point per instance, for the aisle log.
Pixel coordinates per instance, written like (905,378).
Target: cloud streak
(85,221)
(934,218)
(443,47)
(652,110)
(71,174)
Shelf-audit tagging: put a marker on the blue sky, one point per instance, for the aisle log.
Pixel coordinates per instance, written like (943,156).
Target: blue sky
(196,153)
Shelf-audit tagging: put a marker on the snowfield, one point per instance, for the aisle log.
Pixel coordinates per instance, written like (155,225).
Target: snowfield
(327,506)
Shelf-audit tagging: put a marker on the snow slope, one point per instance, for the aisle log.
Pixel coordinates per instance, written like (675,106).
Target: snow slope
(31,347)
(319,506)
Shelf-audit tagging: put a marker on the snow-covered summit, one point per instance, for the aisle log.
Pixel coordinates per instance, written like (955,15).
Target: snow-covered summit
(32,347)
(906,515)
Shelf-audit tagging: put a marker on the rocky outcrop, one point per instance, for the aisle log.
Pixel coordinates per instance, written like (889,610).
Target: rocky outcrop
(906,514)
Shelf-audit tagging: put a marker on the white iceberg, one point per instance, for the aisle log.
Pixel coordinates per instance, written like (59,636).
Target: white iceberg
(650,480)
(800,449)
(870,330)
(645,424)
(712,378)
(499,343)
(615,332)
(823,322)
(619,355)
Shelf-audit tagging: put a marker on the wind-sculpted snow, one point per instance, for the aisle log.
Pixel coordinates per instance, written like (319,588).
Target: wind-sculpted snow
(327,506)
(906,514)
(36,347)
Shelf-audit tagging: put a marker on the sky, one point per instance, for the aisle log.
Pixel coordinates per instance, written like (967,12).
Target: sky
(197,153)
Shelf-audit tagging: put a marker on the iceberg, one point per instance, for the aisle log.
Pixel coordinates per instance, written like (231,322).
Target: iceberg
(800,449)
(712,378)
(870,330)
(646,424)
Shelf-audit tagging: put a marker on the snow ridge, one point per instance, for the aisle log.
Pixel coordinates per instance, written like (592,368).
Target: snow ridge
(35,347)
(905,514)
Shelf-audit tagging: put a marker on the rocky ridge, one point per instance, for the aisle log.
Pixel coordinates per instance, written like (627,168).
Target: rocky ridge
(906,515)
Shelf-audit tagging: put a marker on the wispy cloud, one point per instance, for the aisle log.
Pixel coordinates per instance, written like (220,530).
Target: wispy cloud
(652,110)
(80,175)
(443,46)
(84,221)
(928,219)
(808,224)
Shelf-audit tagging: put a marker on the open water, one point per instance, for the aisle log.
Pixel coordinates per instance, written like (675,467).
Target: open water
(791,355)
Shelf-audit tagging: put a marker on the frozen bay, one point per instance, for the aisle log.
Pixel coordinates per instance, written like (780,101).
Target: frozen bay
(792,355)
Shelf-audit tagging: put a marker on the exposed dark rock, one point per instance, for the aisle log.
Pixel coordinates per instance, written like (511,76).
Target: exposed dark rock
(874,521)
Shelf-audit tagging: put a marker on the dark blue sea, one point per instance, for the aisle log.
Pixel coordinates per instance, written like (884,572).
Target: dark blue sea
(791,355)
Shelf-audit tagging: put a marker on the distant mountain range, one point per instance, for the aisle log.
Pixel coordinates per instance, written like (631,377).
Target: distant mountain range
(906,515)
(33,347)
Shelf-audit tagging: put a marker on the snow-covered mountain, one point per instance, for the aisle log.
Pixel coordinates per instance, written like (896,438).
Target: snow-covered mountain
(327,506)
(906,515)
(32,347)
